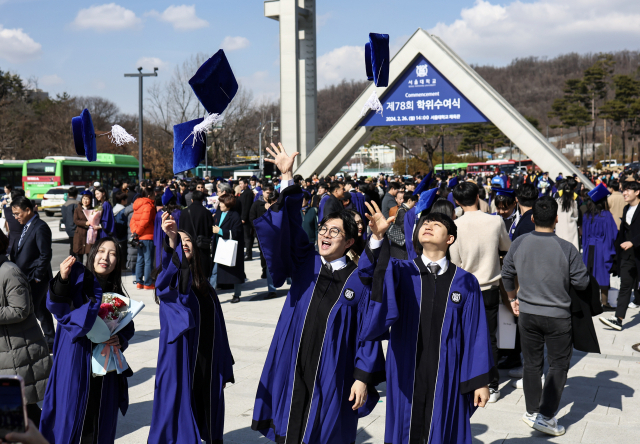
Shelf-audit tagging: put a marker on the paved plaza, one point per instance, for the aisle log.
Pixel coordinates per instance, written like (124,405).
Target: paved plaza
(600,403)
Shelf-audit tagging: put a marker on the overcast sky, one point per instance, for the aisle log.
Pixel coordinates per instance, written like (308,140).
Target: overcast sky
(84,48)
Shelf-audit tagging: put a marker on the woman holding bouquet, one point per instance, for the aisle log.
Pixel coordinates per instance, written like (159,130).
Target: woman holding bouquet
(80,246)
(107,221)
(194,360)
(80,408)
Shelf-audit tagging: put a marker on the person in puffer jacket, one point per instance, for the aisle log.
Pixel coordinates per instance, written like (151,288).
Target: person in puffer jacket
(144,213)
(23,349)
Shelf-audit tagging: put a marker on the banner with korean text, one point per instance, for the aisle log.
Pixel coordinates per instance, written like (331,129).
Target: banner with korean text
(423,96)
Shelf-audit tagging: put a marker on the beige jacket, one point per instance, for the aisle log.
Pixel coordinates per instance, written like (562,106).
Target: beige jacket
(616,206)
(480,238)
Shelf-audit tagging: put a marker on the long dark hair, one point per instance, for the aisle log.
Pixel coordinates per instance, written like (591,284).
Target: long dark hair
(115,277)
(566,199)
(104,195)
(358,244)
(199,281)
(595,208)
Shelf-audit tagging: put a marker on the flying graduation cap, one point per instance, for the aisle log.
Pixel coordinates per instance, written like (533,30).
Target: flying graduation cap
(598,193)
(504,192)
(376,58)
(215,86)
(84,136)
(453,182)
(188,149)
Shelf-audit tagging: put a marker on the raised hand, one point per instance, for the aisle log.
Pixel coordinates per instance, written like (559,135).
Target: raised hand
(170,228)
(282,160)
(377,222)
(65,267)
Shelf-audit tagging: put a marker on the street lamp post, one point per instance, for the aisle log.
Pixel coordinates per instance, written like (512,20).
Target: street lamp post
(140,75)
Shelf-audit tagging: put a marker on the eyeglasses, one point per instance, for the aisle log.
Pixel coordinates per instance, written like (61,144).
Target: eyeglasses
(333,232)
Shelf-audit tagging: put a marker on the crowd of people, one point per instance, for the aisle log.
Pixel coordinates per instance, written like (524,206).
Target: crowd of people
(433,256)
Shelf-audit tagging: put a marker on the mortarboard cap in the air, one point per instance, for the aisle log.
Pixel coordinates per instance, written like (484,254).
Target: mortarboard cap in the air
(377,59)
(598,193)
(84,136)
(214,83)
(424,184)
(187,152)
(453,182)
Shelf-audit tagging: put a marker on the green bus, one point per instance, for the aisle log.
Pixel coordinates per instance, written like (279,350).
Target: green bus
(220,171)
(39,175)
(450,167)
(11,172)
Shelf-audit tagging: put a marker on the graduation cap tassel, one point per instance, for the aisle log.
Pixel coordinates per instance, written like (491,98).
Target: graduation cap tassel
(372,104)
(202,127)
(119,136)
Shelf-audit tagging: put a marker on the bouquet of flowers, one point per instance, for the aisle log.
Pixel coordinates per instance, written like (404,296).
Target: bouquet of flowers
(116,311)
(93,218)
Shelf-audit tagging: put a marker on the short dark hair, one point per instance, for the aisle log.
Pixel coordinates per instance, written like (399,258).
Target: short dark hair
(268,187)
(120,196)
(335,185)
(466,193)
(445,220)
(395,186)
(245,180)
(197,196)
(545,211)
(146,191)
(504,200)
(527,195)
(229,200)
(9,187)
(348,223)
(631,185)
(22,202)
(72,192)
(409,195)
(443,206)
(614,185)
(16,192)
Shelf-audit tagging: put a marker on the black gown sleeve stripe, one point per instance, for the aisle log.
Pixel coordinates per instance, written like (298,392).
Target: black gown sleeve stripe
(289,191)
(374,378)
(479,381)
(381,270)
(57,288)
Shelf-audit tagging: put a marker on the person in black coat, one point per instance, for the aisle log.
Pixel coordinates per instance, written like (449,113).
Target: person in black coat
(14,229)
(228,225)
(246,201)
(32,254)
(627,253)
(334,203)
(197,221)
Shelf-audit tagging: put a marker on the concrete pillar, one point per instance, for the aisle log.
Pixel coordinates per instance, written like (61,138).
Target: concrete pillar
(298,73)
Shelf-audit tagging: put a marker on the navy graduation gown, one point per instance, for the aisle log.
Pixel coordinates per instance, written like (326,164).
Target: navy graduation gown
(107,221)
(409,223)
(159,235)
(439,349)
(598,245)
(174,404)
(67,395)
(317,352)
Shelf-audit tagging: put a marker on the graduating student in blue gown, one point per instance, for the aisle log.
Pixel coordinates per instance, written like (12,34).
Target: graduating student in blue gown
(439,360)
(194,358)
(319,375)
(78,407)
(107,221)
(599,232)
(169,202)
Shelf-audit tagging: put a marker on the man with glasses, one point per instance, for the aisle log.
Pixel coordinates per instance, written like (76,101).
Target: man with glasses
(319,377)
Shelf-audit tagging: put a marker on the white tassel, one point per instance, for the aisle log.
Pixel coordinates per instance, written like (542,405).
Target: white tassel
(202,127)
(372,104)
(119,135)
